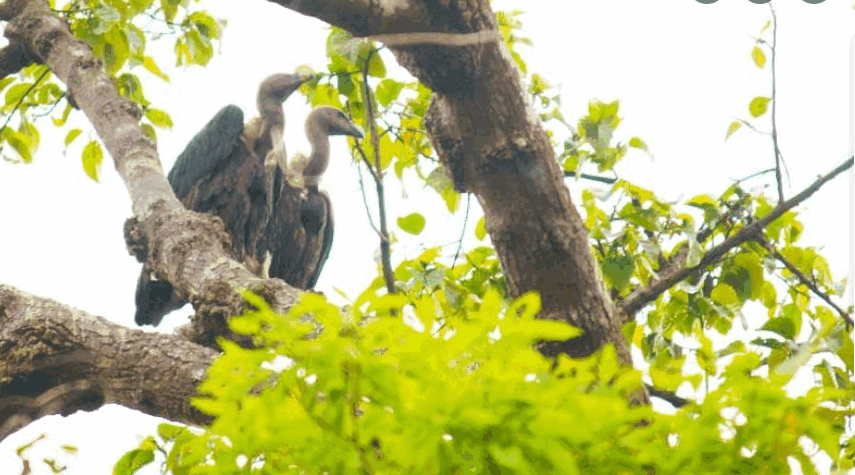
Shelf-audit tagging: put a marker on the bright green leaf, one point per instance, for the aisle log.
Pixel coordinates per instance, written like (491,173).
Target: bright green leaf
(733,127)
(92,157)
(132,461)
(758,106)
(159,118)
(412,223)
(636,142)
(481,229)
(388,90)
(72,134)
(758,56)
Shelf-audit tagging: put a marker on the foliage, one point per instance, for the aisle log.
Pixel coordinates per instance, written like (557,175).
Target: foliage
(443,377)
(117,32)
(434,392)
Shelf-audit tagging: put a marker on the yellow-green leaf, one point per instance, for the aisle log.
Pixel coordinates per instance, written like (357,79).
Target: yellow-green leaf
(758,106)
(159,118)
(636,142)
(481,229)
(149,64)
(758,56)
(72,134)
(92,158)
(733,127)
(22,143)
(412,223)
(133,461)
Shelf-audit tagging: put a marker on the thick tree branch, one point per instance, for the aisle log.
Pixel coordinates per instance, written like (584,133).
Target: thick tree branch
(56,360)
(184,248)
(677,269)
(484,129)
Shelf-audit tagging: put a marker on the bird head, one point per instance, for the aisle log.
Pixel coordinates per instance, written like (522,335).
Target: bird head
(336,122)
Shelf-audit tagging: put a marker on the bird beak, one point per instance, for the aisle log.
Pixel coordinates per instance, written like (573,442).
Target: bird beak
(354,131)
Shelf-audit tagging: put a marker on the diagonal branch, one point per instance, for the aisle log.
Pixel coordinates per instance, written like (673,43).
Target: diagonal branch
(185,248)
(677,270)
(803,278)
(56,359)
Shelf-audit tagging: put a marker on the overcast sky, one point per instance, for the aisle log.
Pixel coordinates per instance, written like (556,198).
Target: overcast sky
(681,70)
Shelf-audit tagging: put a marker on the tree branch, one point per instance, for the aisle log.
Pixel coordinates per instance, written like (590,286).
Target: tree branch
(56,360)
(482,125)
(377,172)
(803,278)
(185,248)
(676,269)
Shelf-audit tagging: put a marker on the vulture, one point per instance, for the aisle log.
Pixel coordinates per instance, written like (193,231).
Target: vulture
(279,223)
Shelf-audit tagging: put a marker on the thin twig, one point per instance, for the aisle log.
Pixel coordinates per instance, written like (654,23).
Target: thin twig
(365,202)
(778,157)
(385,251)
(368,164)
(586,176)
(755,174)
(462,231)
(21,100)
(803,278)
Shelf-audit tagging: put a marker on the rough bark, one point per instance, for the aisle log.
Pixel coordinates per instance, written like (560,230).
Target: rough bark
(57,360)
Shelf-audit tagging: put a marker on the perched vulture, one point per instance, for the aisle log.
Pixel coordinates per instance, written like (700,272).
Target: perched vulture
(240,173)
(299,242)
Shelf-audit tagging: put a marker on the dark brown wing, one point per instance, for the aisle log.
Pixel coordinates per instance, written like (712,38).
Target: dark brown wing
(298,236)
(317,219)
(214,174)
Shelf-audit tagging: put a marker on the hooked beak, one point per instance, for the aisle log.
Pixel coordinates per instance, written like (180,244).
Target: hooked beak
(355,132)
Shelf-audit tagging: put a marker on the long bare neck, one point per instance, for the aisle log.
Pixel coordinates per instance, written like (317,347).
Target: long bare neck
(320,140)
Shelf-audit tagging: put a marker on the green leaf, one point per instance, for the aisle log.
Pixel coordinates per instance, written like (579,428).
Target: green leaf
(695,253)
(725,295)
(132,461)
(782,326)
(758,56)
(72,134)
(92,158)
(21,143)
(169,432)
(152,67)
(149,132)
(159,118)
(636,142)
(376,68)
(733,127)
(388,90)
(15,93)
(207,25)
(170,8)
(481,229)
(412,223)
(758,106)
(116,49)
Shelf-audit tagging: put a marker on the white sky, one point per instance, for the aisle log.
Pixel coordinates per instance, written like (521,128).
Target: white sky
(681,70)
